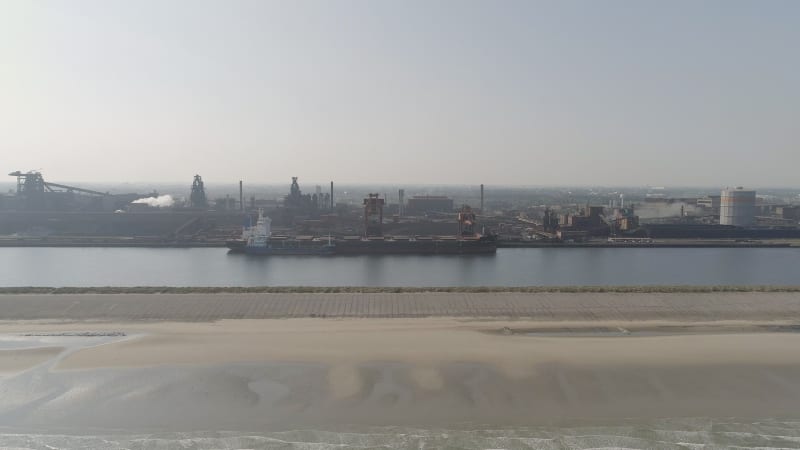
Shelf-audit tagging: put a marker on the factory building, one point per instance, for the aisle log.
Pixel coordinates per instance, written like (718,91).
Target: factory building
(33,193)
(737,207)
(788,212)
(709,203)
(588,218)
(421,204)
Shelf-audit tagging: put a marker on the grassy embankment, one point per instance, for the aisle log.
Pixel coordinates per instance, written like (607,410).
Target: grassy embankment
(373,290)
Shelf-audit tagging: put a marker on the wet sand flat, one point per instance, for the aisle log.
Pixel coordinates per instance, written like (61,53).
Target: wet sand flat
(609,364)
(13,361)
(283,374)
(425,342)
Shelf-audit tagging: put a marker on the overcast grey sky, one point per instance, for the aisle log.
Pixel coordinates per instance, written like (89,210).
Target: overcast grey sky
(511,92)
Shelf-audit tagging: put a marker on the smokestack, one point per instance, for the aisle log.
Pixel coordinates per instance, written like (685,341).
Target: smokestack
(241,197)
(481,198)
(401,197)
(331,195)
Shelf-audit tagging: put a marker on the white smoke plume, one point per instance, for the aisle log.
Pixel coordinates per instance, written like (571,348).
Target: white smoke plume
(164,201)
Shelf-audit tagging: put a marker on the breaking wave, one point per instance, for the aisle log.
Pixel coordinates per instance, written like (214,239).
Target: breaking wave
(663,434)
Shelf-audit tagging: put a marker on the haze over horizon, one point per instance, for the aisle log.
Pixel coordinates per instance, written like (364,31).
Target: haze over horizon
(615,93)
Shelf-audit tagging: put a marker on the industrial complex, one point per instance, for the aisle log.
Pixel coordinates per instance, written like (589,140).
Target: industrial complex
(37,212)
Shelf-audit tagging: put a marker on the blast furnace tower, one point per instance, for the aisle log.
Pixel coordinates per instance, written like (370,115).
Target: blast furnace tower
(197,198)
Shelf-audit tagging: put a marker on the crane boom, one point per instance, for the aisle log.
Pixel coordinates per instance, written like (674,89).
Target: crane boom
(49,185)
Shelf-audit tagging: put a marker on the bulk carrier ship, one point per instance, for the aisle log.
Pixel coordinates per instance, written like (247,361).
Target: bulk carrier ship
(257,239)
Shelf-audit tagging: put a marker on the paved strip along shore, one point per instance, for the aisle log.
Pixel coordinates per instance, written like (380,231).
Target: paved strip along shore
(539,306)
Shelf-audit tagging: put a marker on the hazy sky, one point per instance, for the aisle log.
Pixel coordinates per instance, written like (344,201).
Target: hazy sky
(561,92)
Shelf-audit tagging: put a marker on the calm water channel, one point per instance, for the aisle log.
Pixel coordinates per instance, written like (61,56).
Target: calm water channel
(509,267)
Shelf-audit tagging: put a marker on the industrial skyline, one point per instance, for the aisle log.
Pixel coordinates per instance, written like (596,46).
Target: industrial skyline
(399,223)
(454,92)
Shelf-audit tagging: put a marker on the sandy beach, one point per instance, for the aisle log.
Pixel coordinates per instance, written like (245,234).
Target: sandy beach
(155,375)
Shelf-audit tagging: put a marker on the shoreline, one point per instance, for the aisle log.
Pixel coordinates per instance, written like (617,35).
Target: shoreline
(622,289)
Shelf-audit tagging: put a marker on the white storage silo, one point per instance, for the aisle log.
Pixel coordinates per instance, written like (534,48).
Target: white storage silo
(737,207)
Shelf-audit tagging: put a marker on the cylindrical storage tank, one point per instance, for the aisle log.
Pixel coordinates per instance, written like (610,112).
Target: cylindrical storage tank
(737,207)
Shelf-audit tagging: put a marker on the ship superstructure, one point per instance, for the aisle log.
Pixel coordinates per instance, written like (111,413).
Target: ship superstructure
(258,240)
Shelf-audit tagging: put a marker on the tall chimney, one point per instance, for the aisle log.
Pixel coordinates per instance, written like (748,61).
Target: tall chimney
(332,196)
(241,197)
(401,197)
(481,198)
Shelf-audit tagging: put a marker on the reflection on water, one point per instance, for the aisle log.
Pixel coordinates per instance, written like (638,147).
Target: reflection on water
(509,267)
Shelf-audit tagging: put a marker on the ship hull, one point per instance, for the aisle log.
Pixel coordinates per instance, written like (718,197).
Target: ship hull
(269,251)
(280,248)
(236,245)
(420,247)
(374,247)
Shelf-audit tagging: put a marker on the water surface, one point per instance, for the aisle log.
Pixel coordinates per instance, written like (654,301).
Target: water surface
(509,267)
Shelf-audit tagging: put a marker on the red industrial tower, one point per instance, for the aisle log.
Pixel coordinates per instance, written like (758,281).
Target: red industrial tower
(466,222)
